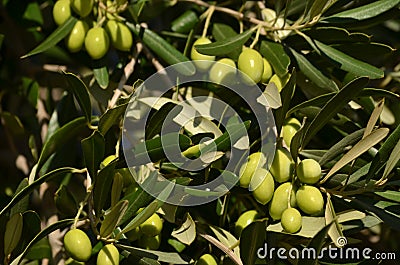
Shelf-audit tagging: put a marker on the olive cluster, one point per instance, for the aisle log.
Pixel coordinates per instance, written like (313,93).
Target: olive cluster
(147,234)
(94,37)
(284,187)
(254,68)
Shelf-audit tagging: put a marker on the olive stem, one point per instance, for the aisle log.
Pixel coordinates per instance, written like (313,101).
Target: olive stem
(209,11)
(256,37)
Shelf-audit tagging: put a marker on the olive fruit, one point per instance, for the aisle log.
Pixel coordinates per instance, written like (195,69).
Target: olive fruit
(263,185)
(61,11)
(206,259)
(282,165)
(97,42)
(82,7)
(309,200)
(291,220)
(78,245)
(267,72)
(202,61)
(152,226)
(289,129)
(223,71)
(250,63)
(308,171)
(71,261)
(244,220)
(255,160)
(108,255)
(134,234)
(277,81)
(149,242)
(120,35)
(76,37)
(280,199)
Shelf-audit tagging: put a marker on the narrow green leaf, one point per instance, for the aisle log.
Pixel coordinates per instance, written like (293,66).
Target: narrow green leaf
(221,32)
(363,12)
(12,123)
(101,76)
(335,232)
(334,105)
(111,117)
(65,202)
(93,149)
(358,149)
(223,47)
(136,199)
(102,186)
(153,127)
(223,248)
(112,218)
(251,239)
(30,228)
(40,250)
(167,257)
(13,233)
(374,117)
(318,7)
(390,195)
(383,153)
(145,214)
(60,33)
(275,54)
(286,96)
(76,85)
(340,146)
(185,22)
(227,239)
(313,73)
(23,204)
(116,189)
(392,161)
(186,233)
(27,190)
(348,63)
(163,49)
(53,227)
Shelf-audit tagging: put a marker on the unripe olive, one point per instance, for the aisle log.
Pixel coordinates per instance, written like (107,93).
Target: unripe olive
(280,200)
(120,35)
(264,191)
(108,255)
(223,71)
(309,200)
(250,63)
(76,37)
(134,234)
(255,160)
(61,11)
(244,220)
(277,81)
(309,171)
(82,7)
(78,245)
(289,129)
(267,72)
(199,58)
(149,242)
(206,259)
(291,220)
(97,42)
(71,261)
(152,226)
(282,165)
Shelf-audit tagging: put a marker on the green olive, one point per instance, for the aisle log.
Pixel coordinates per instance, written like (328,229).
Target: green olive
(250,63)
(267,72)
(120,35)
(108,255)
(277,81)
(223,71)
(82,7)
(78,245)
(244,220)
(152,226)
(61,11)
(134,234)
(291,220)
(71,261)
(149,242)
(255,160)
(280,200)
(282,165)
(289,129)
(263,191)
(206,259)
(202,61)
(97,42)
(76,37)
(310,200)
(308,171)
